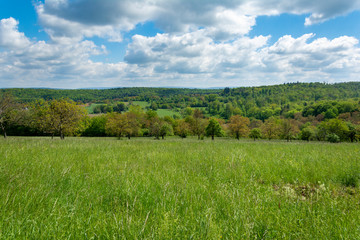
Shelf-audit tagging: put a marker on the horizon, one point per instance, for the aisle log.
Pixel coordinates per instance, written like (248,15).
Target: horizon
(94,44)
(169,87)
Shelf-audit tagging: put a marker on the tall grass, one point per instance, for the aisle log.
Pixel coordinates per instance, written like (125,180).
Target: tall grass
(93,188)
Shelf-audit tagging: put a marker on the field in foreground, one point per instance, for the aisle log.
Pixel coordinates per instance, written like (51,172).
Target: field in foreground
(84,188)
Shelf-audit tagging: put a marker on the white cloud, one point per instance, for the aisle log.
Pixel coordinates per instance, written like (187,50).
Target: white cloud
(192,59)
(223,19)
(289,59)
(205,44)
(10,37)
(64,30)
(43,64)
(324,10)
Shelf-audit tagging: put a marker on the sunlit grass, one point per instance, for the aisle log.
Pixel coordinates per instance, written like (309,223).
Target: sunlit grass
(178,189)
(167,112)
(91,107)
(142,104)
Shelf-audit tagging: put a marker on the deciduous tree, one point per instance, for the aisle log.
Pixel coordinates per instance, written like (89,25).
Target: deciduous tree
(117,124)
(214,129)
(307,133)
(255,133)
(61,117)
(239,126)
(165,130)
(8,112)
(197,123)
(96,127)
(270,128)
(182,129)
(289,129)
(134,124)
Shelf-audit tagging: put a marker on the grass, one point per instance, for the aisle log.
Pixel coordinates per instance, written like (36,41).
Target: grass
(167,112)
(142,104)
(102,188)
(90,108)
(160,112)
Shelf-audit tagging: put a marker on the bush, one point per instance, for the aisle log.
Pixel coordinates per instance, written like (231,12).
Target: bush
(307,133)
(255,133)
(333,138)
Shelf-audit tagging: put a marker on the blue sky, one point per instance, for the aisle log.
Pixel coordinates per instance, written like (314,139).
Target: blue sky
(177,43)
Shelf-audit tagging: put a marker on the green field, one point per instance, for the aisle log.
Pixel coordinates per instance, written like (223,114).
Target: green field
(160,112)
(90,108)
(167,112)
(103,188)
(142,104)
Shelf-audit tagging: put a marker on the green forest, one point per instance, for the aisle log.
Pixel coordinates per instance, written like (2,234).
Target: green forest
(304,111)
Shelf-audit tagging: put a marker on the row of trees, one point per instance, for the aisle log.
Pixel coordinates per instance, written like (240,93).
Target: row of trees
(57,117)
(66,118)
(310,99)
(225,107)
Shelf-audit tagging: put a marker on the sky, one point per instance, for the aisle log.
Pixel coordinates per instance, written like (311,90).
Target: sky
(177,43)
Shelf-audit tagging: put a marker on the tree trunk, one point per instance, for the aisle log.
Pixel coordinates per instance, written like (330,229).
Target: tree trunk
(4,131)
(212,137)
(162,137)
(129,137)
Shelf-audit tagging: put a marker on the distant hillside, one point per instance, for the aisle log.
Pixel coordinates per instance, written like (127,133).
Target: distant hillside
(92,95)
(278,94)
(293,92)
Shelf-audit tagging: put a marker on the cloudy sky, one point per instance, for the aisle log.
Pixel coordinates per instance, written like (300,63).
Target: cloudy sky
(177,43)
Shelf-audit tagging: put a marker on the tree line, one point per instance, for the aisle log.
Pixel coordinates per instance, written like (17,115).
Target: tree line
(64,117)
(326,101)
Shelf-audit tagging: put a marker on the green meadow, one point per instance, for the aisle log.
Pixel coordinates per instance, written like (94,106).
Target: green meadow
(104,188)
(142,104)
(90,108)
(167,112)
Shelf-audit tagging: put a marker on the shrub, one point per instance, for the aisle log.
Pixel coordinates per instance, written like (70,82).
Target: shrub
(307,133)
(333,138)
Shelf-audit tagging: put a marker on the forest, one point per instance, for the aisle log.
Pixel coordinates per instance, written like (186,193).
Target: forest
(304,111)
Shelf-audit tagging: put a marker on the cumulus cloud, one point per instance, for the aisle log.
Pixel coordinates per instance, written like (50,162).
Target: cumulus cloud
(192,52)
(10,37)
(289,59)
(223,19)
(205,44)
(321,56)
(27,63)
(192,59)
(324,10)
(64,30)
